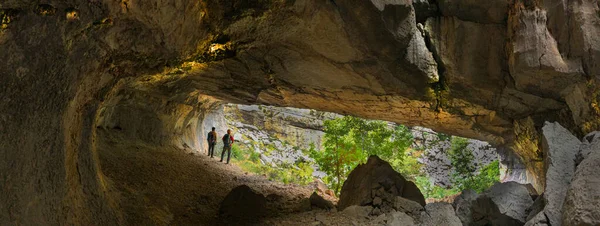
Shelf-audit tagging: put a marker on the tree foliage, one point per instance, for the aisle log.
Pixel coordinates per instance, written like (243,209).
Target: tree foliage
(465,175)
(461,159)
(348,141)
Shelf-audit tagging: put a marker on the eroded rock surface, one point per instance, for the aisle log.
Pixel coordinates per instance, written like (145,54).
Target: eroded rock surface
(561,147)
(582,202)
(502,204)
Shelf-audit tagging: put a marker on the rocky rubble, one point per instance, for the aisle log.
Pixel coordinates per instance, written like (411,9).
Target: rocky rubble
(376,189)
(508,203)
(439,214)
(377,181)
(570,196)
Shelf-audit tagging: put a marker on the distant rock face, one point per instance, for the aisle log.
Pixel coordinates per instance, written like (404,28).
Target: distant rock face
(376,176)
(582,203)
(436,161)
(280,133)
(243,204)
(502,204)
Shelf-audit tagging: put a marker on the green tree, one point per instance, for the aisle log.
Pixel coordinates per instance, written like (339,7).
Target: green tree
(348,141)
(461,160)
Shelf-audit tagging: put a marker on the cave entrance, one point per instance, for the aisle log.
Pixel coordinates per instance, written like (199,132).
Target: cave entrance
(153,153)
(300,146)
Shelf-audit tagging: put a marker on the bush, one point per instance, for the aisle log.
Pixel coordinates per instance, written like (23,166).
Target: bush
(488,176)
(298,173)
(254,157)
(429,190)
(236,152)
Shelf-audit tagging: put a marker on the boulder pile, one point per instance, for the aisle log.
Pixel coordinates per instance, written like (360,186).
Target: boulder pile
(377,184)
(571,195)
(375,189)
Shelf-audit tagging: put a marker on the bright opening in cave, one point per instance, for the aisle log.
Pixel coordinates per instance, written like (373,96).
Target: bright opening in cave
(284,144)
(154,153)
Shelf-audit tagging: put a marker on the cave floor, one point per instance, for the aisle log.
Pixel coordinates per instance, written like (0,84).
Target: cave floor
(166,186)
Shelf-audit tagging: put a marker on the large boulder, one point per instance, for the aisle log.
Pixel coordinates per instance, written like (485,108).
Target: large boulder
(502,204)
(439,213)
(582,203)
(561,148)
(243,204)
(376,177)
(462,206)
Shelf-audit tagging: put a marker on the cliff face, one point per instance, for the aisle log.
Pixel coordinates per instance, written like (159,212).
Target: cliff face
(490,70)
(280,134)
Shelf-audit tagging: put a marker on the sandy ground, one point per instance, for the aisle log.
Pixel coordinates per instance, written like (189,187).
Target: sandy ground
(166,186)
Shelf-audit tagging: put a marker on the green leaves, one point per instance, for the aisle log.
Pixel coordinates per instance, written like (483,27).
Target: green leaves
(464,176)
(349,141)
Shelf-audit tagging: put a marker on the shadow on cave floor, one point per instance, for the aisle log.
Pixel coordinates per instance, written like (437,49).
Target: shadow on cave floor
(166,186)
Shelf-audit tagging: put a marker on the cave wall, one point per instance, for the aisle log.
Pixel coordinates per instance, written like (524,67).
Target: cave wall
(139,116)
(60,62)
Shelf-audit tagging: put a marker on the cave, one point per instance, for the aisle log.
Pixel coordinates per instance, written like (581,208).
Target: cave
(87,86)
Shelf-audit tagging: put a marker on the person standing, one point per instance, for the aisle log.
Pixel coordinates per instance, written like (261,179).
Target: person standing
(227,142)
(212,141)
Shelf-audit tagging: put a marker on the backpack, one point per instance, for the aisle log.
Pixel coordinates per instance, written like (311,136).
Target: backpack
(211,137)
(226,140)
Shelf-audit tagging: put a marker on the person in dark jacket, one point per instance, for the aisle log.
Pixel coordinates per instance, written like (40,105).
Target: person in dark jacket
(212,141)
(227,142)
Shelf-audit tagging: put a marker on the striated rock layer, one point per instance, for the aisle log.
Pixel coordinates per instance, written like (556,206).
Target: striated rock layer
(492,71)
